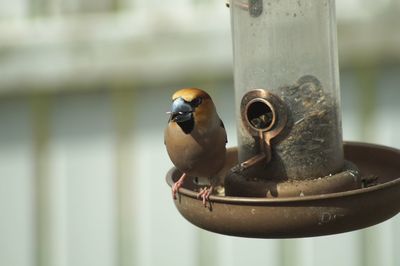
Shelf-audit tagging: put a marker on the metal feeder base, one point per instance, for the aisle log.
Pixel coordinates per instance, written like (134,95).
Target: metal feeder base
(303,216)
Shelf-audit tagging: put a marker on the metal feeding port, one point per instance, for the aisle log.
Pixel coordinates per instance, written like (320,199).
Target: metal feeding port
(291,174)
(264,116)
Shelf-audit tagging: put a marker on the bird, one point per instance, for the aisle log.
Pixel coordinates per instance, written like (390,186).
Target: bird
(195,139)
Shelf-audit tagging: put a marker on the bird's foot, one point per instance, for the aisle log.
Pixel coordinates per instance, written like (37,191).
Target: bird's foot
(204,194)
(177,185)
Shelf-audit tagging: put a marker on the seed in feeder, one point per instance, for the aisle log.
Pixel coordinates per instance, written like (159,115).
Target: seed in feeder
(263,121)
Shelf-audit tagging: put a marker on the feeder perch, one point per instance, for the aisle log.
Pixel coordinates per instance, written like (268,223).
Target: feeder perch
(291,174)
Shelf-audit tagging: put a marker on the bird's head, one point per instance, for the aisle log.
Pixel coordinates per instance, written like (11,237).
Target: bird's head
(192,105)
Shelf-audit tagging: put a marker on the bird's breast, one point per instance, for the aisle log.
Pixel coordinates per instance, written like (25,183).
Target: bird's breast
(196,154)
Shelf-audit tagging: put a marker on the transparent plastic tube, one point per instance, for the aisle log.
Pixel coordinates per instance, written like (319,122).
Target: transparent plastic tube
(289,49)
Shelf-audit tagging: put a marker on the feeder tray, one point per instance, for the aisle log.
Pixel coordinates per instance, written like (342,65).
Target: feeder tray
(302,216)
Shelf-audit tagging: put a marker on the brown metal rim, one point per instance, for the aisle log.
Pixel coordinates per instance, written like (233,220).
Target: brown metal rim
(270,106)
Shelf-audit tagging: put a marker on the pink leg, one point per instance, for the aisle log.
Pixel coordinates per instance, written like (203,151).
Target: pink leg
(204,194)
(177,185)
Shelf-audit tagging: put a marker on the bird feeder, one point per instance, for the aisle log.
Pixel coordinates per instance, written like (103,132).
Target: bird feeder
(292,175)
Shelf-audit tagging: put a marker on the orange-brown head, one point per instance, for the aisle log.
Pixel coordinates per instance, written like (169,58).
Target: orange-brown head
(193,107)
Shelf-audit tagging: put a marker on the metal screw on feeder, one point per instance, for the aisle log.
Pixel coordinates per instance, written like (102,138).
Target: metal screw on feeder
(254,7)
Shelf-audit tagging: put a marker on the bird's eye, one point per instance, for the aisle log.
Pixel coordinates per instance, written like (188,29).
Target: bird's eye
(196,102)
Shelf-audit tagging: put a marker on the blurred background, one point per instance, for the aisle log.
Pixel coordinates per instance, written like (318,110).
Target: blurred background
(84,86)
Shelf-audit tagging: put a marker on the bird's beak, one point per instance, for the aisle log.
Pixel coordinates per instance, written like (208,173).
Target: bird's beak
(181,111)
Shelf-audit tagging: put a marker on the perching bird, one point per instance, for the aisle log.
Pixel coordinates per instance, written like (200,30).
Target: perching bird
(195,138)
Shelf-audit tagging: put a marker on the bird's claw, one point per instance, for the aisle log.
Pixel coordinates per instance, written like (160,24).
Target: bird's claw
(177,185)
(204,194)
(175,188)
